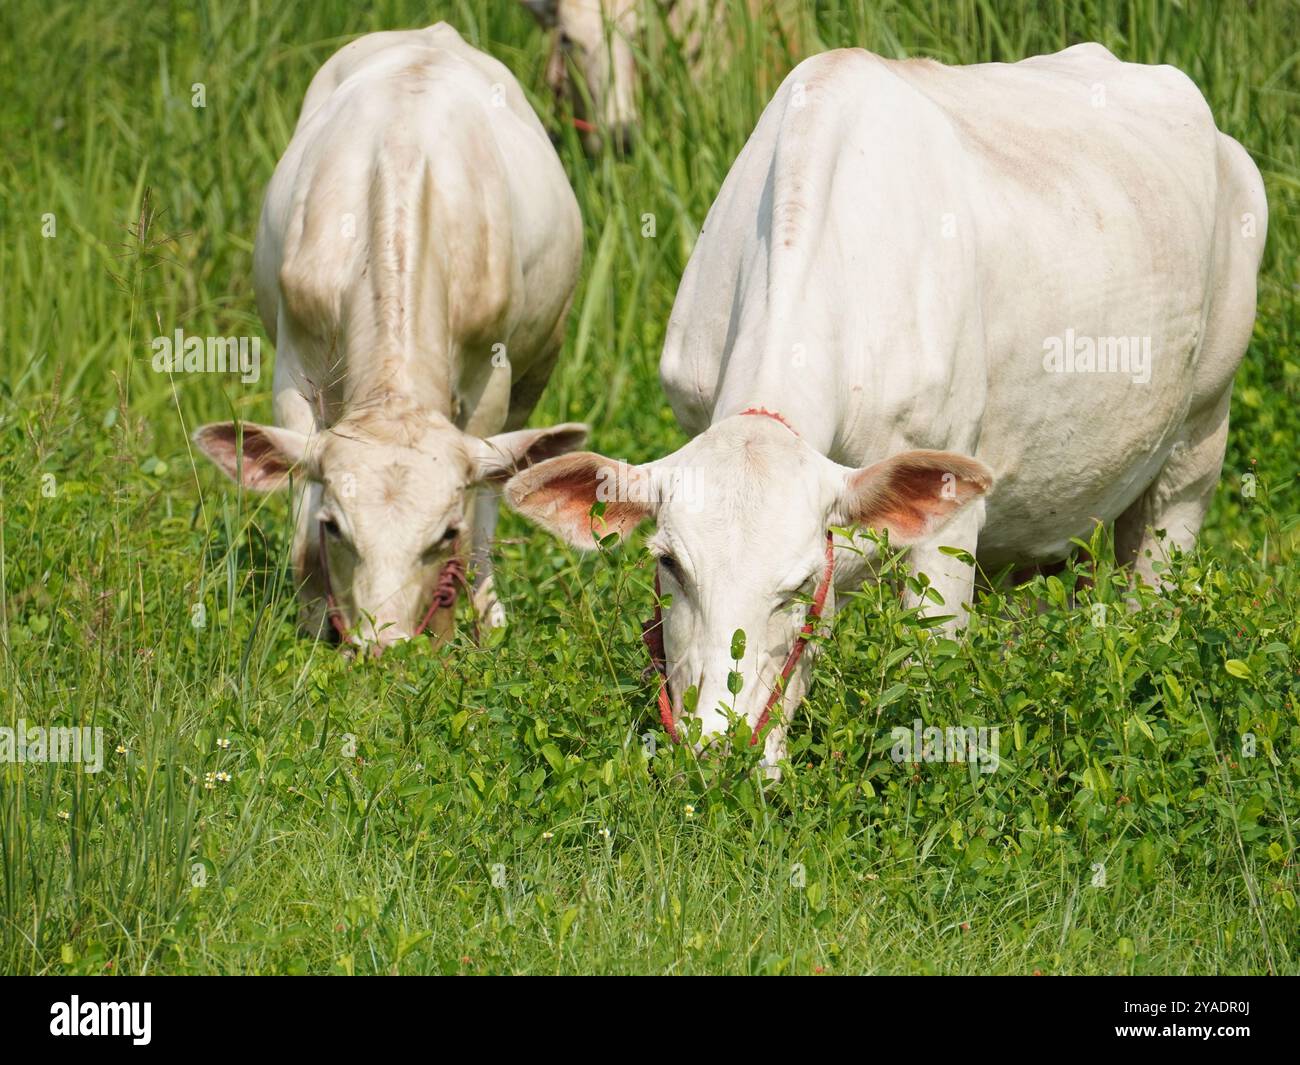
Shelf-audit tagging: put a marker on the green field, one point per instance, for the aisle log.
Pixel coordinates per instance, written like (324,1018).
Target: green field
(491,808)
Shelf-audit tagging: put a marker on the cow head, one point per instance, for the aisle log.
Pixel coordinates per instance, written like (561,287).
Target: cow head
(392,495)
(742,514)
(595,37)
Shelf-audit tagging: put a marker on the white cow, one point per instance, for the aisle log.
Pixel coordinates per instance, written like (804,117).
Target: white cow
(911,263)
(602,39)
(416,258)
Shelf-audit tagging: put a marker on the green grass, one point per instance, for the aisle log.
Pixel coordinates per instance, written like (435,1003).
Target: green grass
(448,813)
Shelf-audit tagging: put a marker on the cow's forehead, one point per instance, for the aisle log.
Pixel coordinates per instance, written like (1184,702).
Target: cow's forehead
(747,455)
(366,475)
(409,444)
(745,484)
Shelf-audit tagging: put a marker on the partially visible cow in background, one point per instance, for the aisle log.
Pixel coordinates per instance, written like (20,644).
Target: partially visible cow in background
(601,39)
(416,258)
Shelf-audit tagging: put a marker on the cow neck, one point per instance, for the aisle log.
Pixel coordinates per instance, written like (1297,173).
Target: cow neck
(652,632)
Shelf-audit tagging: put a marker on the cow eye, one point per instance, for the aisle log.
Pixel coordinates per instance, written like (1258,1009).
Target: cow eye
(331,528)
(670,563)
(450,535)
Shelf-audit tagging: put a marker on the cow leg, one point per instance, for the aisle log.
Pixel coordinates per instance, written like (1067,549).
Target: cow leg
(953,579)
(1175,503)
(486,605)
(307,570)
(293,411)
(1177,500)
(525,391)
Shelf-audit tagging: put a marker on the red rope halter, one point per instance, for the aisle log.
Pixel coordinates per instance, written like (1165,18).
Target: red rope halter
(653,634)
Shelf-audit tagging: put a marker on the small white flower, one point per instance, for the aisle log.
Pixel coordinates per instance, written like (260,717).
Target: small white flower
(224,743)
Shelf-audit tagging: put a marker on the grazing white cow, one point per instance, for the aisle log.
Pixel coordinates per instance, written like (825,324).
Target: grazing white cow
(991,305)
(415,262)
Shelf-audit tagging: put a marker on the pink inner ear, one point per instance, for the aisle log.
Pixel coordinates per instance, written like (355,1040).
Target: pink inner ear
(517,451)
(551,444)
(570,495)
(263,460)
(264,466)
(912,494)
(914,500)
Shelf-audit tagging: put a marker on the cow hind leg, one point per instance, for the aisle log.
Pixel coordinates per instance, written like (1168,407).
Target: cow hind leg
(1177,500)
(1170,512)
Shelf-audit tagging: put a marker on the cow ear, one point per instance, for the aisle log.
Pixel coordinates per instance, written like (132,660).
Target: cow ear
(260,458)
(545,11)
(500,457)
(559,496)
(913,494)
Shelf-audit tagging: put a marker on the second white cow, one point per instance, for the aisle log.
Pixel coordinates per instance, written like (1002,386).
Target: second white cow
(981,307)
(417,255)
